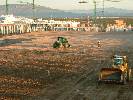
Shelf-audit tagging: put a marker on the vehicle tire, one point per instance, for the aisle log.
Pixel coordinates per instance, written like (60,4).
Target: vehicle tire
(128,75)
(124,80)
(66,45)
(57,44)
(98,84)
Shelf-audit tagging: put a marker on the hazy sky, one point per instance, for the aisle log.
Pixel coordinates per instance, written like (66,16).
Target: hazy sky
(73,4)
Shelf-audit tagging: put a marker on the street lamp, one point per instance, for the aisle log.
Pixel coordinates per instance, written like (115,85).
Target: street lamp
(113,0)
(82,1)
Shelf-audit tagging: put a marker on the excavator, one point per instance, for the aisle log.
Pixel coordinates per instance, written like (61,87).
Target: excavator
(118,73)
(61,42)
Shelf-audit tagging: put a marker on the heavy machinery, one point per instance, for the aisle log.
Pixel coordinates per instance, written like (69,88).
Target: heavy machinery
(61,42)
(118,73)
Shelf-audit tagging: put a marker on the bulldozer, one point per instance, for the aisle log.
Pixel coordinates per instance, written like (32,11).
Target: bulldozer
(118,73)
(61,42)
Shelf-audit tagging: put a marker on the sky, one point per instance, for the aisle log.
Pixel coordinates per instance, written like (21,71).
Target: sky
(73,4)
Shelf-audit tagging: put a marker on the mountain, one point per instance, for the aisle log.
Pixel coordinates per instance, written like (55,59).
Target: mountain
(107,12)
(41,11)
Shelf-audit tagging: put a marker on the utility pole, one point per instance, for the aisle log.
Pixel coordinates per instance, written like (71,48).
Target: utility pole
(95,13)
(6,7)
(33,8)
(103,9)
(102,22)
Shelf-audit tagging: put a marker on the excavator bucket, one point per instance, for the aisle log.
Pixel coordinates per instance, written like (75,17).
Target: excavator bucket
(108,75)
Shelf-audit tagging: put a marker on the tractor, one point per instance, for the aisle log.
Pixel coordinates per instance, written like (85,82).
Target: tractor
(61,42)
(118,73)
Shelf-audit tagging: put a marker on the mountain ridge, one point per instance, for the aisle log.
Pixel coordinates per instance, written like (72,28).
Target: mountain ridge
(42,11)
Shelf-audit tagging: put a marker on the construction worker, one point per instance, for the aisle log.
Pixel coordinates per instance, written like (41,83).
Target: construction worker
(99,44)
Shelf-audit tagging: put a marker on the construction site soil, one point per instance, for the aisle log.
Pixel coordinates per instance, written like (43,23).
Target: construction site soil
(30,69)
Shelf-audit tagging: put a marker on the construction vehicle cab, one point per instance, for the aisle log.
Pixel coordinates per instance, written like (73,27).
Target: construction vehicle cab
(61,42)
(118,61)
(119,72)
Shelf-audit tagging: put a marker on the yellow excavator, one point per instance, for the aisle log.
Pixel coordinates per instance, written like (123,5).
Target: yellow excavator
(118,73)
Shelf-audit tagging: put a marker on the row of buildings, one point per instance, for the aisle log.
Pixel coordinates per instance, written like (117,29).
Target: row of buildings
(10,24)
(119,25)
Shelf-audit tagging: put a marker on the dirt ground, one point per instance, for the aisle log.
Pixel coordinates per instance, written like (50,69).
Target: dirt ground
(30,69)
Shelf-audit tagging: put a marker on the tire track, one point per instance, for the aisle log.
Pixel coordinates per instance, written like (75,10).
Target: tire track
(88,75)
(123,93)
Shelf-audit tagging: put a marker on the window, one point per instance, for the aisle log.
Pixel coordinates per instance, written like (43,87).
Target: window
(118,61)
